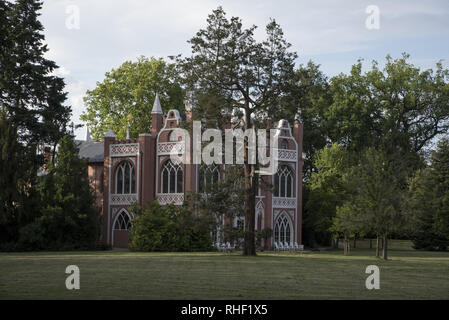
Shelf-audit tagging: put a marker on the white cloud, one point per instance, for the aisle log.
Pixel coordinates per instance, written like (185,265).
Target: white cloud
(112,31)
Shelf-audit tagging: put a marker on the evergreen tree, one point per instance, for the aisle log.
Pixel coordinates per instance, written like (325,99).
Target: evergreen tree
(33,113)
(252,77)
(31,95)
(428,202)
(69,217)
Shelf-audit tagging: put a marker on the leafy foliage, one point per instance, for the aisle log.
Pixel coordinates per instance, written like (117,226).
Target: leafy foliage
(69,218)
(249,77)
(428,202)
(127,95)
(170,228)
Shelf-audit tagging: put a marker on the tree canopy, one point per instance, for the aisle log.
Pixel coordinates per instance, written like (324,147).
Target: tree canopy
(126,95)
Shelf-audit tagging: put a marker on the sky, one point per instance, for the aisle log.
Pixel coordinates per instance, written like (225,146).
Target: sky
(88,38)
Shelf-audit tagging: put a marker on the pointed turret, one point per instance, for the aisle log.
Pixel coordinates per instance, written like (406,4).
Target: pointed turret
(156,117)
(157,106)
(87,134)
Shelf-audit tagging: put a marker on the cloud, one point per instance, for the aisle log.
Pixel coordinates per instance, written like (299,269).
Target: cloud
(330,32)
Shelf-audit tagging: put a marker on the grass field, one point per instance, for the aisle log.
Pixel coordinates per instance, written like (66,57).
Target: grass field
(408,274)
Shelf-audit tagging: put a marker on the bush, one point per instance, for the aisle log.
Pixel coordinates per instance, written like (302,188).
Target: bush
(31,237)
(170,228)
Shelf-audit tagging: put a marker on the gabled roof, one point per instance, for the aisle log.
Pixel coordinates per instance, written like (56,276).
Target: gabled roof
(92,150)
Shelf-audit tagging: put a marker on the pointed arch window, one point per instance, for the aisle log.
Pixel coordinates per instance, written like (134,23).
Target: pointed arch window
(282,229)
(172,137)
(283,182)
(171,178)
(284,144)
(259,218)
(125,178)
(123,221)
(208,175)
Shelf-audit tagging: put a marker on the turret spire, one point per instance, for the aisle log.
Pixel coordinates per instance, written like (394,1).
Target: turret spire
(87,133)
(157,105)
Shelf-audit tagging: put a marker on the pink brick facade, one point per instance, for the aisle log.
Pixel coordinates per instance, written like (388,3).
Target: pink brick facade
(139,170)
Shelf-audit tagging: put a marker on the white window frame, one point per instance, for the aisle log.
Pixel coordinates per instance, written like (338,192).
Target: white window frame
(171,168)
(121,168)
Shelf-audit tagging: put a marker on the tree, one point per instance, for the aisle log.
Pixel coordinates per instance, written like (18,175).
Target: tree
(32,111)
(29,92)
(221,200)
(69,218)
(428,202)
(397,108)
(16,194)
(346,223)
(251,77)
(327,190)
(127,95)
(376,196)
(308,100)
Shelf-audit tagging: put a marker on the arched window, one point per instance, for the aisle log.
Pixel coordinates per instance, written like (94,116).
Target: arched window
(283,182)
(125,181)
(259,222)
(282,229)
(123,222)
(284,144)
(208,175)
(172,137)
(171,178)
(239,223)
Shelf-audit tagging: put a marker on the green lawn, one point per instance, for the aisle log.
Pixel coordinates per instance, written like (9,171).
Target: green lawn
(310,275)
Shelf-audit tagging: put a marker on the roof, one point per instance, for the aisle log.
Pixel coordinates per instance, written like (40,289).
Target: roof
(92,150)
(157,108)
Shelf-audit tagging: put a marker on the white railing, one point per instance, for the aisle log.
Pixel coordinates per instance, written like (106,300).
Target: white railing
(284,202)
(126,149)
(174,198)
(123,199)
(171,147)
(285,155)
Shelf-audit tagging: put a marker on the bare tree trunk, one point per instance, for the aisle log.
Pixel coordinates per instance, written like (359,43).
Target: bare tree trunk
(377,246)
(385,247)
(249,247)
(346,246)
(370,243)
(355,239)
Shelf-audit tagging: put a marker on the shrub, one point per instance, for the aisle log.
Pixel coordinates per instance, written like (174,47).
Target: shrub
(170,228)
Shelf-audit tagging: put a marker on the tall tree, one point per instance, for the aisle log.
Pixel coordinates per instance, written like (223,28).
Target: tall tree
(399,108)
(327,190)
(32,110)
(29,91)
(376,196)
(127,95)
(309,99)
(251,76)
(69,217)
(428,202)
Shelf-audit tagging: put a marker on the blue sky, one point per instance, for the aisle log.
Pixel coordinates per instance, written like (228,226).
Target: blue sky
(331,33)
